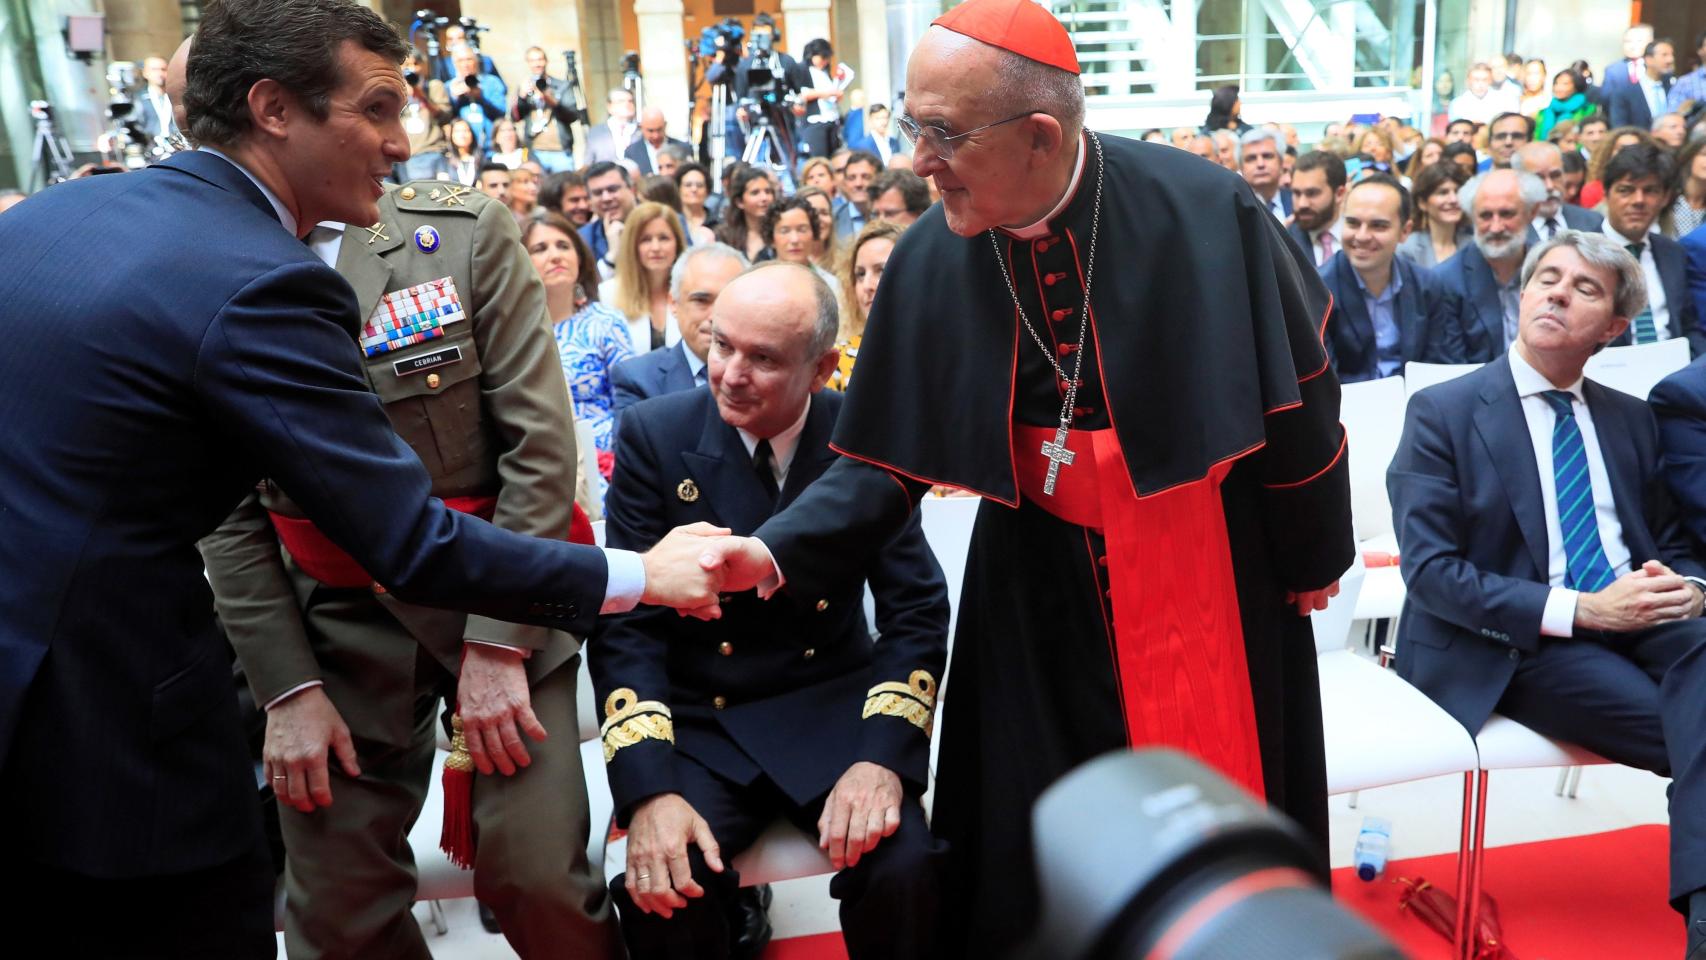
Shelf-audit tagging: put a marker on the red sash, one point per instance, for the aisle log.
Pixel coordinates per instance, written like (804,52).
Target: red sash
(327,562)
(1179,643)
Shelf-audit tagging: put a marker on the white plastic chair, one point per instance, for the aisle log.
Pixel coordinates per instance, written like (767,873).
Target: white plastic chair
(1373,416)
(1379,730)
(1420,376)
(1636,370)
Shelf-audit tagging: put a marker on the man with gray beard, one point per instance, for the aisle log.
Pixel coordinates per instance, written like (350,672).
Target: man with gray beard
(1480,281)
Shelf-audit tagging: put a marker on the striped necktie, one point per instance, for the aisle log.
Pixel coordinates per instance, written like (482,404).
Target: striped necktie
(1585,566)
(1645,331)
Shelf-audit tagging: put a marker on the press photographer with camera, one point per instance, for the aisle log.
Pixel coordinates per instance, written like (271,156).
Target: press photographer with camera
(464,32)
(425,115)
(545,109)
(819,103)
(479,97)
(766,83)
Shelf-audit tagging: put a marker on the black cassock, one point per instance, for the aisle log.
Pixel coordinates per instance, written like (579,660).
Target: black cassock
(1205,359)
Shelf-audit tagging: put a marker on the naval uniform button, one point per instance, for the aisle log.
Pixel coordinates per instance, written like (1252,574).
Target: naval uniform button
(719,701)
(822,605)
(1515,654)
(810,652)
(432,381)
(725,648)
(407,193)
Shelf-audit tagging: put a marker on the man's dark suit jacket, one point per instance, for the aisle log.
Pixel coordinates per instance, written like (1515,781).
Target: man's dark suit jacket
(1672,261)
(1472,293)
(1694,252)
(143,401)
(651,374)
(1679,403)
(1427,329)
(1471,525)
(1575,218)
(776,687)
(1627,104)
(637,152)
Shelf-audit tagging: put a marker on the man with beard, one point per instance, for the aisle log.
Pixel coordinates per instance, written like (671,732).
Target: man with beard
(1481,279)
(1553,214)
(1317,188)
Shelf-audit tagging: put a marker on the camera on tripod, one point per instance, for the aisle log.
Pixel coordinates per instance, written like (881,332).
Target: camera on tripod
(471,29)
(41,111)
(722,42)
(630,67)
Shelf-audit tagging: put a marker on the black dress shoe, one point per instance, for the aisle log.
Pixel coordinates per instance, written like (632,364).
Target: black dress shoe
(751,926)
(488,919)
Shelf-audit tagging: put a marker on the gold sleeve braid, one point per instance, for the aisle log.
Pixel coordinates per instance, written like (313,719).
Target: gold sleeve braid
(629,720)
(914,701)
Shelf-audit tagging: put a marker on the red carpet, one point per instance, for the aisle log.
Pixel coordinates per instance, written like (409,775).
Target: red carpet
(1598,897)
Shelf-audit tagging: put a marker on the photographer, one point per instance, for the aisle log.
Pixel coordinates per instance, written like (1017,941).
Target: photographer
(479,97)
(425,115)
(456,35)
(771,77)
(820,124)
(545,110)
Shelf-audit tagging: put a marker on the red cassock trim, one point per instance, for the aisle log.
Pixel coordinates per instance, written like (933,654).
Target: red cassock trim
(1179,640)
(327,562)
(1328,361)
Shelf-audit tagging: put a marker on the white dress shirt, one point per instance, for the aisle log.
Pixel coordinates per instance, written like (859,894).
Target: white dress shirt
(1559,617)
(782,446)
(1656,300)
(1321,251)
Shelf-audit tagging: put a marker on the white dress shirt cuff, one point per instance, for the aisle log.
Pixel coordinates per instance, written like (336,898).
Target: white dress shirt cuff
(769,585)
(626,582)
(525,653)
(1559,617)
(293,691)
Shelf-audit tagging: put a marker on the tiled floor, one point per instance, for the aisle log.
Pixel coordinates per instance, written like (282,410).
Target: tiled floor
(1521,807)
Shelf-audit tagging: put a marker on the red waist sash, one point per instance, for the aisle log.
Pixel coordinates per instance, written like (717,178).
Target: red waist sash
(327,562)
(1178,641)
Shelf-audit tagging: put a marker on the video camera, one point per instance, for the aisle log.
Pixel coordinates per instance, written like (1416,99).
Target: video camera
(471,29)
(722,42)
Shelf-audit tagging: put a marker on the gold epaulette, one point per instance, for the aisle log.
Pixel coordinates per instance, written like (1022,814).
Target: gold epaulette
(629,720)
(914,701)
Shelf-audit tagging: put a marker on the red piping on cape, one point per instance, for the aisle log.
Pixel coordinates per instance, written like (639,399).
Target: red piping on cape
(1344,441)
(928,481)
(1329,358)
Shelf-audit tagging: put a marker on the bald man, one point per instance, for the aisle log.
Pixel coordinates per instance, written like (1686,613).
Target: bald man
(654,136)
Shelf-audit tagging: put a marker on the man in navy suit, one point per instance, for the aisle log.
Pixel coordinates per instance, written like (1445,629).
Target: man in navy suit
(1627,71)
(1694,251)
(695,281)
(1636,192)
(1548,577)
(874,137)
(654,136)
(1637,104)
(1317,192)
(1481,281)
(1385,311)
(781,709)
(143,404)
(1260,160)
(1551,215)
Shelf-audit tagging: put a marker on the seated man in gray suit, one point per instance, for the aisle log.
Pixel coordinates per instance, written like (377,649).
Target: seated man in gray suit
(1548,576)
(1551,215)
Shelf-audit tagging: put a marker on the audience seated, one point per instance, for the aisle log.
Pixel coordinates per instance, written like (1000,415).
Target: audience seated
(751,192)
(1317,189)
(1481,280)
(715,729)
(1438,224)
(698,276)
(1548,576)
(611,190)
(1546,161)
(651,240)
(861,270)
(1636,189)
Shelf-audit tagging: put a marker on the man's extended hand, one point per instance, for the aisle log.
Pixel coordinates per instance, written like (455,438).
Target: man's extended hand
(300,732)
(493,701)
(862,809)
(1639,599)
(679,575)
(1310,601)
(659,875)
(744,562)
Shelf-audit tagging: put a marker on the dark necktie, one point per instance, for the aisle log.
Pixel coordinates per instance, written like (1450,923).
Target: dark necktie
(1585,566)
(1645,330)
(766,475)
(1551,227)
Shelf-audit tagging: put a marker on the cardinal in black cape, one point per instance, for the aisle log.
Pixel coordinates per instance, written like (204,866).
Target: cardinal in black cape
(1116,346)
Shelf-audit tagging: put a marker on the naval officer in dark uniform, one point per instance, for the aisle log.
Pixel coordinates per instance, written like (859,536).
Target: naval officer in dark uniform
(784,709)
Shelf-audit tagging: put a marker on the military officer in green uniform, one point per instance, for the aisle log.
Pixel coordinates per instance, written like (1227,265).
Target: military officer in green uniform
(458,347)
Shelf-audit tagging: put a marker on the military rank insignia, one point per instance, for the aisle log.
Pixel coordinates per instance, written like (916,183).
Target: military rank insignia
(426,238)
(412,315)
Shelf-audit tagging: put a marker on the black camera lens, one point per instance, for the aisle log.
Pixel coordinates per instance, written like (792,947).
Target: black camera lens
(540,84)
(411,78)
(472,79)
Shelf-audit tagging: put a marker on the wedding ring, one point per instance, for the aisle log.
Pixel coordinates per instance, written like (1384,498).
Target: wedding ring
(280,776)
(644,877)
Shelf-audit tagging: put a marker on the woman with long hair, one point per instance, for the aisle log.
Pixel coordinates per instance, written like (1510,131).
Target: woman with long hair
(823,249)
(464,153)
(1225,111)
(1439,226)
(1569,102)
(1376,144)
(693,183)
(657,188)
(1688,184)
(651,240)
(751,192)
(1429,153)
(861,270)
(506,145)
(591,337)
(819,173)
(1535,96)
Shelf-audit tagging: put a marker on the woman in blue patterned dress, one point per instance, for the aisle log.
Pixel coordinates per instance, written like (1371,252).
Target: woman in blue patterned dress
(591,337)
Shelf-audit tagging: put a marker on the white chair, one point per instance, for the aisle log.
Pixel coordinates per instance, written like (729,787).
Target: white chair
(1373,416)
(1637,369)
(1420,376)
(1379,730)
(948,523)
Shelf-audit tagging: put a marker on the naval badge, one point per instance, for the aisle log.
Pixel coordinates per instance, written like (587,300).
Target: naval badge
(687,490)
(426,238)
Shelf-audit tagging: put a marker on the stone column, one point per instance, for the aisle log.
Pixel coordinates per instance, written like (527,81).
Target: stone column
(873,66)
(805,20)
(143,28)
(663,61)
(907,21)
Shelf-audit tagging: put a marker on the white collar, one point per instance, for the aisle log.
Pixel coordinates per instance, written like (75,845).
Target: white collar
(783,445)
(1530,382)
(694,364)
(1040,228)
(1606,228)
(284,215)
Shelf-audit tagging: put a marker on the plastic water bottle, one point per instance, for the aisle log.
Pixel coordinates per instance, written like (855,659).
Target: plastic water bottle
(1372,845)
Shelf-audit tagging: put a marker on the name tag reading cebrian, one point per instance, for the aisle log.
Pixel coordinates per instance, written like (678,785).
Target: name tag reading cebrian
(422,362)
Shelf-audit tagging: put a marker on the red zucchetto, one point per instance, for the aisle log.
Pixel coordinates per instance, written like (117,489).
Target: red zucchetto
(1023,27)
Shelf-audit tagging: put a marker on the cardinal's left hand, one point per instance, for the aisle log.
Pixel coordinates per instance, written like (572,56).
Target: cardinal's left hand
(1310,601)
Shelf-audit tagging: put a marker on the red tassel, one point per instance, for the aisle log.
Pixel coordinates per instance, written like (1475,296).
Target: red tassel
(457,840)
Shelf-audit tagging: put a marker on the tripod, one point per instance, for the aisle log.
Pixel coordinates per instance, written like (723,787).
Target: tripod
(768,146)
(52,155)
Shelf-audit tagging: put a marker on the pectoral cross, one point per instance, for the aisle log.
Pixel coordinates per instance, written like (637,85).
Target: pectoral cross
(1057,455)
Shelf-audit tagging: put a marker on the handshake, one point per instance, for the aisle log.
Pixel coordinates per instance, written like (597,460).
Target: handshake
(690,567)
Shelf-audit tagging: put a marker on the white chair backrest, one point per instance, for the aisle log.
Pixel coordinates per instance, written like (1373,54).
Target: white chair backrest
(1332,626)
(588,466)
(1637,369)
(1418,376)
(947,525)
(598,532)
(1373,415)
(587,710)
